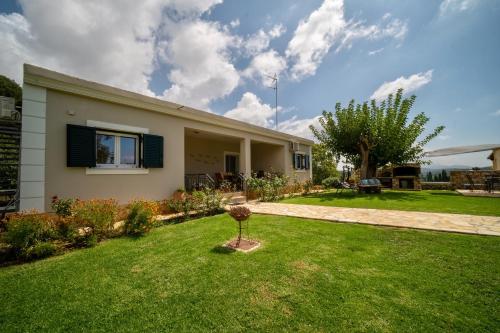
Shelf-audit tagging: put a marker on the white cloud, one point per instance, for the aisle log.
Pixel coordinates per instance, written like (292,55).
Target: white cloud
(376,51)
(299,127)
(264,65)
(260,41)
(409,84)
(252,110)
(496,113)
(327,26)
(235,23)
(106,41)
(314,36)
(199,53)
(454,6)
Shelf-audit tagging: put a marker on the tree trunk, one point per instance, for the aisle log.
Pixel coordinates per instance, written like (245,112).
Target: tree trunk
(371,171)
(364,152)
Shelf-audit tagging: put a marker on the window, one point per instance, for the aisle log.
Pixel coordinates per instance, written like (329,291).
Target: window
(116,150)
(231,161)
(301,161)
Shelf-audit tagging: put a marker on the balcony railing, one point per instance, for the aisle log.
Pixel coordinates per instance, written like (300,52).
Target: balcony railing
(197,181)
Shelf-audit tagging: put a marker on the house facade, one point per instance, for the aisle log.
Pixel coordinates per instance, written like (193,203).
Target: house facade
(81,139)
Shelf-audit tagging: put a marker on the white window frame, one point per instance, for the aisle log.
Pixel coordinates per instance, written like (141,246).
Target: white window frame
(230,153)
(303,154)
(117,164)
(126,169)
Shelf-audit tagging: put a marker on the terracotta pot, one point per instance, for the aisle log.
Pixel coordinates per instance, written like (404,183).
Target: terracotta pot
(179,195)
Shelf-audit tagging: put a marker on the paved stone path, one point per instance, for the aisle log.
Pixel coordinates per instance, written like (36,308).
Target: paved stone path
(470,224)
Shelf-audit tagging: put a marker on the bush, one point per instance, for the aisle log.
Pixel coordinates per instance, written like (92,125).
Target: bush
(98,214)
(184,206)
(24,230)
(330,182)
(40,250)
(62,207)
(307,186)
(141,217)
(207,201)
(269,188)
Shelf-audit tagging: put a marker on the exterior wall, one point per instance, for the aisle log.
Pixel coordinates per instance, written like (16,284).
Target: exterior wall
(33,137)
(268,157)
(74,182)
(496,159)
(54,178)
(458,178)
(207,156)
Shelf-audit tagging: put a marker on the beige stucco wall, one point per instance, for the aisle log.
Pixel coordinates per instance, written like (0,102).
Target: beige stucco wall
(207,155)
(496,159)
(158,183)
(268,157)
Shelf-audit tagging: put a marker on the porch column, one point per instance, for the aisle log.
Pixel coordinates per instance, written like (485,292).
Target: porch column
(245,157)
(309,151)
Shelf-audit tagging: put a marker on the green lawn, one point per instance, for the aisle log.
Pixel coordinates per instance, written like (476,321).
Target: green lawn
(425,201)
(309,276)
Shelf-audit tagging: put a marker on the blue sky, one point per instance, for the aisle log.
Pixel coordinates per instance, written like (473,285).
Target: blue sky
(214,55)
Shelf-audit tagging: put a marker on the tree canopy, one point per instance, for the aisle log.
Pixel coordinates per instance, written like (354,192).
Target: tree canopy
(323,163)
(10,88)
(371,135)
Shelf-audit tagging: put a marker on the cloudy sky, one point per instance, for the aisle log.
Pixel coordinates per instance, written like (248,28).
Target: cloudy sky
(217,55)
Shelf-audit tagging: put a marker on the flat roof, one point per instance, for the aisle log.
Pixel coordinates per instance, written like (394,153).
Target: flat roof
(49,79)
(461,150)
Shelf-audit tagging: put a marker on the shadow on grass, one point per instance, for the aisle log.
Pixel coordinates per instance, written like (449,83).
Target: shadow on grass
(384,196)
(219,249)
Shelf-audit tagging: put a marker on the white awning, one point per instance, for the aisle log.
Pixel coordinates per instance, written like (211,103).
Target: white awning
(461,150)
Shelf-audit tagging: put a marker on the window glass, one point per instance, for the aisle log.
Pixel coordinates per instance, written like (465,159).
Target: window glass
(105,149)
(231,164)
(127,150)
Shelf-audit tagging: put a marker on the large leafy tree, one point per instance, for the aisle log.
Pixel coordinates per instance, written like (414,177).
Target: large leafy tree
(323,163)
(10,88)
(371,135)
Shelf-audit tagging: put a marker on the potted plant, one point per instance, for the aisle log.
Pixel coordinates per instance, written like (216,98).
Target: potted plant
(240,214)
(179,194)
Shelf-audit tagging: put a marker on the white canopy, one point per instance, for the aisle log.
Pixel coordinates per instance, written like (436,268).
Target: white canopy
(461,150)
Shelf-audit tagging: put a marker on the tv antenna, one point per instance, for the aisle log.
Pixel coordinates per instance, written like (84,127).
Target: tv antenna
(275,88)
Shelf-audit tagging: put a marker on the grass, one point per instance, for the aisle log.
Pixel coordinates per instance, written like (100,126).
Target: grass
(424,201)
(308,276)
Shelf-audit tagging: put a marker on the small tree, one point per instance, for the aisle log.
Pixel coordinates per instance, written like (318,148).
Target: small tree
(10,88)
(371,135)
(323,163)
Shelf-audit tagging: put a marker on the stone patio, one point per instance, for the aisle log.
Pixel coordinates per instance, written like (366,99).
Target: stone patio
(468,224)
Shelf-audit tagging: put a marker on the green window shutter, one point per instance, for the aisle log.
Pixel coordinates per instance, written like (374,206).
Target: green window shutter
(152,151)
(307,162)
(294,160)
(80,146)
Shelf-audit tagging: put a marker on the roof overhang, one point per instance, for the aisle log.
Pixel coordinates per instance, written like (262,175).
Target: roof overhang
(45,78)
(461,150)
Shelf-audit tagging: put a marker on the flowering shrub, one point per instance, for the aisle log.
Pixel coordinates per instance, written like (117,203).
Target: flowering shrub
(98,214)
(184,206)
(307,186)
(26,230)
(268,188)
(62,207)
(207,201)
(141,217)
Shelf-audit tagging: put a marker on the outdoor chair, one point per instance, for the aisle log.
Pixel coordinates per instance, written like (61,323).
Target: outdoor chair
(341,186)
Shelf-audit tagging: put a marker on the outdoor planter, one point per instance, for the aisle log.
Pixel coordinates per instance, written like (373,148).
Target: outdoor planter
(241,215)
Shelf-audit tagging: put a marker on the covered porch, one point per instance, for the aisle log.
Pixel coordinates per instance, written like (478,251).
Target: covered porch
(221,161)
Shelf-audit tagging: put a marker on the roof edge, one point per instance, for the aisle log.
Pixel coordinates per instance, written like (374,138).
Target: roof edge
(49,79)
